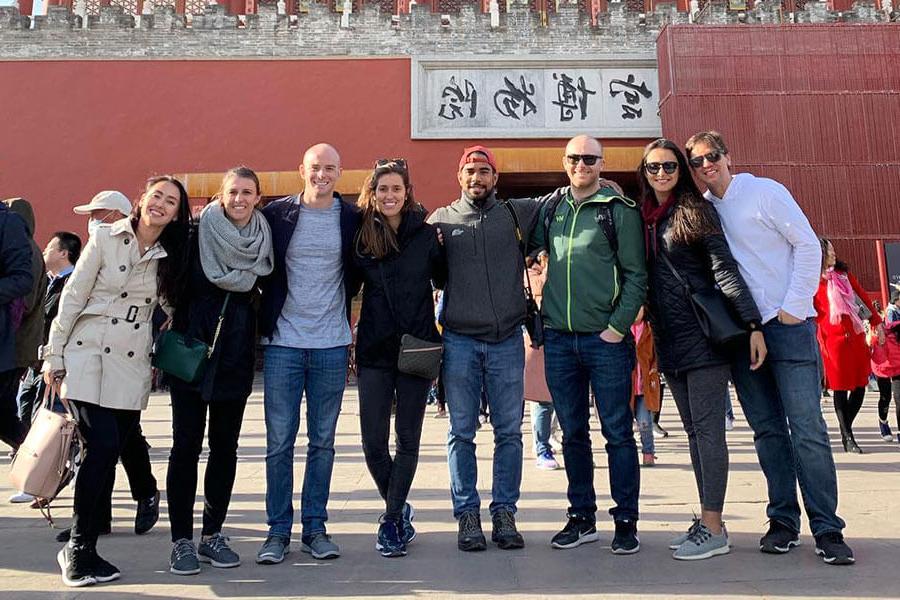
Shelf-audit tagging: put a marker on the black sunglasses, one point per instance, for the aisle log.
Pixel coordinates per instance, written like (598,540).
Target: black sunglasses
(388,162)
(713,157)
(670,166)
(589,159)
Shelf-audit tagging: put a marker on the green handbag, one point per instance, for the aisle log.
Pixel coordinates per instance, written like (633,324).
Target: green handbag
(183,357)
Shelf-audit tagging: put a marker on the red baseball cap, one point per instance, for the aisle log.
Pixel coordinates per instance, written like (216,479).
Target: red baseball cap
(487,157)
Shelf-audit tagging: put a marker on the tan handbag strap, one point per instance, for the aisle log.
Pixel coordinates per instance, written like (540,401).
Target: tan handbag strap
(54,389)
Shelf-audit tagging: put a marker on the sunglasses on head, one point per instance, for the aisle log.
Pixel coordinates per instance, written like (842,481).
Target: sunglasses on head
(670,166)
(389,162)
(588,159)
(713,157)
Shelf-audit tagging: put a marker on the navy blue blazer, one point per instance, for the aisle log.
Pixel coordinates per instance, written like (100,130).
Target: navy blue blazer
(282,216)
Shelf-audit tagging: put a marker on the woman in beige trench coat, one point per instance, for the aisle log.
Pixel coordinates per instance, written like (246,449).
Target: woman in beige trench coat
(99,349)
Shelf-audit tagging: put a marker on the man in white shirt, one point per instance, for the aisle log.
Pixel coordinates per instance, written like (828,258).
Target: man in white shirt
(781,260)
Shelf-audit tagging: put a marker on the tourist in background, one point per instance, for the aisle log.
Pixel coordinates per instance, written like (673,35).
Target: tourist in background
(230,250)
(399,257)
(841,307)
(645,386)
(98,353)
(886,367)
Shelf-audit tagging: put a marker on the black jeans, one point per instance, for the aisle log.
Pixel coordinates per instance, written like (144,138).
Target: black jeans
(12,431)
(188,423)
(377,390)
(885,386)
(105,431)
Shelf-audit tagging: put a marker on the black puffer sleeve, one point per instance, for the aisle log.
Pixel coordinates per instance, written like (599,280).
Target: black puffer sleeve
(728,277)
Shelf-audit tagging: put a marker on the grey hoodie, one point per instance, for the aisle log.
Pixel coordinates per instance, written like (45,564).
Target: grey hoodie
(484,297)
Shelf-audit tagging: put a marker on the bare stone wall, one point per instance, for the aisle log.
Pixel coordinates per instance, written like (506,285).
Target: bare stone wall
(115,35)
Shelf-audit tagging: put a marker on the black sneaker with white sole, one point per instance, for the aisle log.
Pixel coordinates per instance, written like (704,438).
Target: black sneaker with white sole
(833,549)
(76,564)
(779,539)
(104,571)
(626,540)
(579,530)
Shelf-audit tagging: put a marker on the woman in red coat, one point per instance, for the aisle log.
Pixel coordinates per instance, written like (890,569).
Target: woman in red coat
(841,305)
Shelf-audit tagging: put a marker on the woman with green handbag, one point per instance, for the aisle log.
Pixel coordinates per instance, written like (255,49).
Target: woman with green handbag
(232,249)
(99,350)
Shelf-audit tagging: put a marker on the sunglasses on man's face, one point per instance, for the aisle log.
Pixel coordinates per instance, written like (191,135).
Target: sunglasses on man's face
(588,159)
(389,162)
(670,166)
(713,157)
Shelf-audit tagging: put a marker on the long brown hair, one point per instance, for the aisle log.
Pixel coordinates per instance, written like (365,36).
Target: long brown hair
(692,217)
(375,237)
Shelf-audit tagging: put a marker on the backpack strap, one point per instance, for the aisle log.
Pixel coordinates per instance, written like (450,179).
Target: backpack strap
(549,213)
(604,219)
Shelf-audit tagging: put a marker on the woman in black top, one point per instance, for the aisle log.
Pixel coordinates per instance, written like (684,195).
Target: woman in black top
(398,256)
(230,251)
(685,240)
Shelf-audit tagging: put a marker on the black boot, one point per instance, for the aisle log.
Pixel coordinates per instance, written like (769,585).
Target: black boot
(850,444)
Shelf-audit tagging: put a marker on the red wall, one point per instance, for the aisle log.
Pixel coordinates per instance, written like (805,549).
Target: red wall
(73,128)
(816,107)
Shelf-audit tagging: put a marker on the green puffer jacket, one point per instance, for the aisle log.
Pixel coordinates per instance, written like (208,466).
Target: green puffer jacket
(589,287)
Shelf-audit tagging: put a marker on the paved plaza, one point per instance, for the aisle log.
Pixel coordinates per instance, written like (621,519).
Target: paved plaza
(869,502)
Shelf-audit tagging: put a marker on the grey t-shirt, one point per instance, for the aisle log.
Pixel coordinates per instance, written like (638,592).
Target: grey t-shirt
(314,314)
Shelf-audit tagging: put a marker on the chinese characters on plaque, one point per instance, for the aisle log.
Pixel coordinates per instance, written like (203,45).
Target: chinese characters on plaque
(540,101)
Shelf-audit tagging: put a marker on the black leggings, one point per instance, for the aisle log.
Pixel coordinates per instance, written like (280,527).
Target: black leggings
(12,431)
(188,423)
(104,431)
(377,391)
(846,407)
(886,386)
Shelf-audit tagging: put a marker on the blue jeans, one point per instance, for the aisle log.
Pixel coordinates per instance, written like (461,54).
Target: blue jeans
(289,372)
(572,362)
(469,366)
(541,421)
(781,401)
(645,424)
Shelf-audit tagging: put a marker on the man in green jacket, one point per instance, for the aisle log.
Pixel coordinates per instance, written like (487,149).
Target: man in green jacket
(596,282)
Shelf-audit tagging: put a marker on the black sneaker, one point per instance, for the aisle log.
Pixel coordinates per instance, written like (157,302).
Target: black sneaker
(626,540)
(104,570)
(504,532)
(147,514)
(470,537)
(75,562)
(389,543)
(833,549)
(407,531)
(579,530)
(779,539)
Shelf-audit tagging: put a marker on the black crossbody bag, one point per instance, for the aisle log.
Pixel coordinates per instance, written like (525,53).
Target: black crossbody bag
(534,322)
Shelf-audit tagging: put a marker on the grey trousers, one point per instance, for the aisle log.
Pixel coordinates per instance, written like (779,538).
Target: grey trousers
(700,397)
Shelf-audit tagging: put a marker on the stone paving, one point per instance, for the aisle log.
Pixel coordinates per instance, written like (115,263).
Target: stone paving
(869,501)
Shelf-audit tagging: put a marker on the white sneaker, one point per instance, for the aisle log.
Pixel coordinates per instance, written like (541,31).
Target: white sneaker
(21,498)
(729,424)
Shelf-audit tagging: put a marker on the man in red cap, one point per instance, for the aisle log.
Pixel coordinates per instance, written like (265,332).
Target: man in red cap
(483,312)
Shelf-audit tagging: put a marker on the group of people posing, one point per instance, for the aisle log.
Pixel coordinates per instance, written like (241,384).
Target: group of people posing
(288,272)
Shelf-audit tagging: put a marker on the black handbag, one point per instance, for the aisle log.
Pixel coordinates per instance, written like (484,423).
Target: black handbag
(184,357)
(418,357)
(534,322)
(712,311)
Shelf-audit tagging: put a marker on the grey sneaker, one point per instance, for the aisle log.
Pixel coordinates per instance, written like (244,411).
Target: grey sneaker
(273,549)
(183,560)
(320,546)
(216,552)
(680,539)
(702,544)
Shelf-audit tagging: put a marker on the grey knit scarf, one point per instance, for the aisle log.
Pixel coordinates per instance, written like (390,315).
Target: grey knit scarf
(233,258)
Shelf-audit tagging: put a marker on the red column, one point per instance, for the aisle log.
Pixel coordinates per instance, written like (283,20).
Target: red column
(25,7)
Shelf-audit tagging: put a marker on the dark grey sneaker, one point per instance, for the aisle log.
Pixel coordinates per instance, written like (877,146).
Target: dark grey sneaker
(216,552)
(320,546)
(779,539)
(183,560)
(470,537)
(273,550)
(504,533)
(703,544)
(407,531)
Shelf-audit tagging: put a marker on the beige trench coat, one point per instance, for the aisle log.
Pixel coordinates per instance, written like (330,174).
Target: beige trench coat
(102,335)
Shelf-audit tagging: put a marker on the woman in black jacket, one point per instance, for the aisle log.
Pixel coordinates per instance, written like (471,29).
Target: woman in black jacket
(683,227)
(398,257)
(230,250)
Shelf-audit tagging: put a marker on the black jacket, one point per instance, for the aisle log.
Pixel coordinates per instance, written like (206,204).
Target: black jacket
(51,301)
(680,343)
(16,278)
(229,372)
(282,216)
(409,308)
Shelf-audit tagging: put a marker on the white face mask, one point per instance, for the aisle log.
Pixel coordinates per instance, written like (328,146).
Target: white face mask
(93,224)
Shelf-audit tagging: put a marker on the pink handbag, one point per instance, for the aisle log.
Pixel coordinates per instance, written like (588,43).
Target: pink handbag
(45,462)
